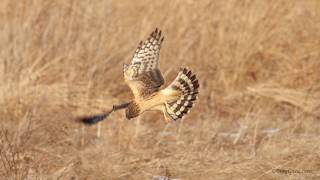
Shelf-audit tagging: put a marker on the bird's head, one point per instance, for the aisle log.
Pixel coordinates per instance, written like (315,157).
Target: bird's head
(125,67)
(126,71)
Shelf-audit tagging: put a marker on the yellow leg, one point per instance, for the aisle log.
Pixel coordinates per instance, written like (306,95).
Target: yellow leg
(166,118)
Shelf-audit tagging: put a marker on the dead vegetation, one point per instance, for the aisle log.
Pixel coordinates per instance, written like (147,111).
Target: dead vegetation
(258,109)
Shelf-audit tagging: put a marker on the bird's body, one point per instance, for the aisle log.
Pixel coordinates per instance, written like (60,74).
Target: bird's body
(154,101)
(144,78)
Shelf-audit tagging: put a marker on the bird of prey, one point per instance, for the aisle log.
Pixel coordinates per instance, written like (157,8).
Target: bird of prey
(144,78)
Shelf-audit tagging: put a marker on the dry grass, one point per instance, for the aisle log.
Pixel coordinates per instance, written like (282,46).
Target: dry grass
(258,109)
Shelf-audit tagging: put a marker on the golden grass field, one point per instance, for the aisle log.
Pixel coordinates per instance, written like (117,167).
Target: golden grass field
(258,112)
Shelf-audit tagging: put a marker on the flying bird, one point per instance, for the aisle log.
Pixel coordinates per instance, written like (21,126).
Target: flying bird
(145,80)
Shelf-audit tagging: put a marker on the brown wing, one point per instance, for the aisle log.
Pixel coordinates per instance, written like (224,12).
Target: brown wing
(147,77)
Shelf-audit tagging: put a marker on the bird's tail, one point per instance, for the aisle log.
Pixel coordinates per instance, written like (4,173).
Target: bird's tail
(90,120)
(187,83)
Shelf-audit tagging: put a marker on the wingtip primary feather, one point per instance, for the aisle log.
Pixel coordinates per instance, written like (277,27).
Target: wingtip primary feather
(91,120)
(157,34)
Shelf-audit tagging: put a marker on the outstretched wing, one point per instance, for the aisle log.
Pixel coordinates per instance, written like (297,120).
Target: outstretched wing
(145,65)
(90,120)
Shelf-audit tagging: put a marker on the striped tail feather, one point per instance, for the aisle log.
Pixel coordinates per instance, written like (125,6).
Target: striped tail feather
(188,84)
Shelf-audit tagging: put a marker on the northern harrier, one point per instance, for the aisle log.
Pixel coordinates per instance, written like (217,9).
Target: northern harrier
(144,78)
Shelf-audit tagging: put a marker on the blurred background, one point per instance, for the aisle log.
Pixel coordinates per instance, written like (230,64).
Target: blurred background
(258,108)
